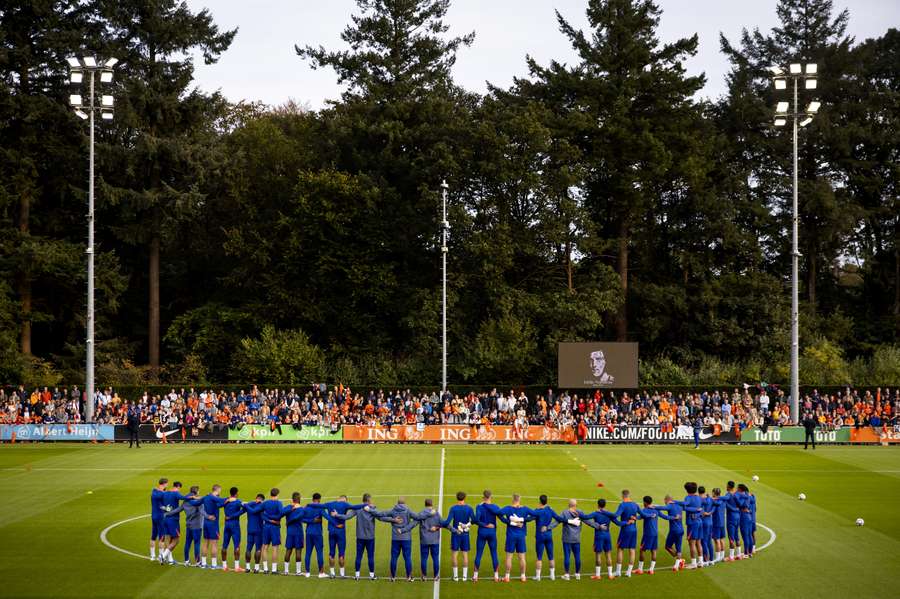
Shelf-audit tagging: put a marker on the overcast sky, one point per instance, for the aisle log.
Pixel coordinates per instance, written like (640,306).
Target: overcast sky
(261,63)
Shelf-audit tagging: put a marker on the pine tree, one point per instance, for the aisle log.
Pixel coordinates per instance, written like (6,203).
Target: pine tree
(155,165)
(627,107)
(809,32)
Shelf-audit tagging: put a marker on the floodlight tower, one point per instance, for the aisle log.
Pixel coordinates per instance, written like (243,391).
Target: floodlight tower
(807,74)
(445,230)
(78,68)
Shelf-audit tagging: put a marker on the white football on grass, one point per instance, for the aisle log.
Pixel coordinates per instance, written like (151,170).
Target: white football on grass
(801,496)
(860,521)
(755,478)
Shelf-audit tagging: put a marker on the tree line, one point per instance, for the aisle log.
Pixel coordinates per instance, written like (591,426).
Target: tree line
(600,199)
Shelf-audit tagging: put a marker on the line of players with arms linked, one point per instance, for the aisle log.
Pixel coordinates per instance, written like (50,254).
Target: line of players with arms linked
(710,521)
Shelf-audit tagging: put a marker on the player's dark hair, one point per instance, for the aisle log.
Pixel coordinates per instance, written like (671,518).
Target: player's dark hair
(487,494)
(429,503)
(701,489)
(648,500)
(163,481)
(233,491)
(274,492)
(295,496)
(342,497)
(460,495)
(717,492)
(216,488)
(260,496)
(601,503)
(367,497)
(543,499)
(743,488)
(730,485)
(690,487)
(176,485)
(317,496)
(626,493)
(195,489)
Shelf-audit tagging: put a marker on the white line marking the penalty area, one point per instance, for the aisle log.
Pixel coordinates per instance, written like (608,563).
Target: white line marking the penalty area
(437,583)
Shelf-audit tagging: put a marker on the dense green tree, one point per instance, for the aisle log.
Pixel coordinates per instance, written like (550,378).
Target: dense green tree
(627,107)
(42,178)
(809,32)
(159,157)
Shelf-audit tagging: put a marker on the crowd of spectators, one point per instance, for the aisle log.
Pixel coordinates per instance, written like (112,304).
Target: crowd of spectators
(760,406)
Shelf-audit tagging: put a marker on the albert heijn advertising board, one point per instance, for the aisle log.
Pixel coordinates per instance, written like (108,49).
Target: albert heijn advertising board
(656,434)
(56,432)
(459,433)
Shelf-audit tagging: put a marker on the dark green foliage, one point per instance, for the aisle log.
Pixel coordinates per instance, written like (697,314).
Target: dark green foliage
(593,200)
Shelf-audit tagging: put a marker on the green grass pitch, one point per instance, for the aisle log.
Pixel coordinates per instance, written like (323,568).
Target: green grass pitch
(58,498)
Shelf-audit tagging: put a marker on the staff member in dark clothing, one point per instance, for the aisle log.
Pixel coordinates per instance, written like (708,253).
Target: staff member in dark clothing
(809,423)
(134,424)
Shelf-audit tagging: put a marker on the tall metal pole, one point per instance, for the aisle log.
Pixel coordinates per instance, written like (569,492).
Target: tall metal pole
(444,227)
(795,298)
(89,370)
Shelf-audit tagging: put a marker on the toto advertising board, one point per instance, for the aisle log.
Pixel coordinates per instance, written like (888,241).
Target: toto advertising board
(260,432)
(598,365)
(793,434)
(57,432)
(655,434)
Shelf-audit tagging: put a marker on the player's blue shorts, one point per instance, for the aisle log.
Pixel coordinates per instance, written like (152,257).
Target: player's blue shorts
(674,540)
(706,530)
(254,541)
(293,540)
(543,543)
(603,544)
(157,528)
(515,544)
(718,532)
(232,534)
(695,529)
(271,534)
(459,542)
(649,543)
(734,531)
(337,542)
(210,530)
(172,526)
(627,539)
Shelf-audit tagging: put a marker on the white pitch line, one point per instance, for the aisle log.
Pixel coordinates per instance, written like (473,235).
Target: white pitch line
(437,583)
(431,469)
(106,542)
